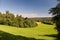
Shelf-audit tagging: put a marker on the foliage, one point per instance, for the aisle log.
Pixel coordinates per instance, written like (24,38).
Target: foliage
(56,15)
(56,18)
(17,21)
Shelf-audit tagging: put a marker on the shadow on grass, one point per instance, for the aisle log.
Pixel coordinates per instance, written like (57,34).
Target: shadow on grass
(7,36)
(57,36)
(52,35)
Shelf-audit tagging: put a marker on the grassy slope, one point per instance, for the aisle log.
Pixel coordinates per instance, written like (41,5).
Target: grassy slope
(36,32)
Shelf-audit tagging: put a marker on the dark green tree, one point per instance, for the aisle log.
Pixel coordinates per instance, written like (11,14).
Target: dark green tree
(56,17)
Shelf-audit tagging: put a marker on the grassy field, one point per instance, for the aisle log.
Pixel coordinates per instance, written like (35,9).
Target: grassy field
(42,31)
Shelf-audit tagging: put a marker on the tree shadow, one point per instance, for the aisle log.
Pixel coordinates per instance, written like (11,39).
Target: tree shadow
(8,36)
(52,35)
(57,36)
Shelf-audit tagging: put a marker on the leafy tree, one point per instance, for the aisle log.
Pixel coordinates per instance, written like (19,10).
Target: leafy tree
(17,21)
(1,18)
(56,17)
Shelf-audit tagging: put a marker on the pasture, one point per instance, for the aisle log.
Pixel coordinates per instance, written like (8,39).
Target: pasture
(41,32)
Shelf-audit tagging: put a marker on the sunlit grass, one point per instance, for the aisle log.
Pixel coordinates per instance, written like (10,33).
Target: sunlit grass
(35,32)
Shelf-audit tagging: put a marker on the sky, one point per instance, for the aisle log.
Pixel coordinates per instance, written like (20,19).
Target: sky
(28,8)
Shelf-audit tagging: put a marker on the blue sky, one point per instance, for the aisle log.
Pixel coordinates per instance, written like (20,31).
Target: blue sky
(28,8)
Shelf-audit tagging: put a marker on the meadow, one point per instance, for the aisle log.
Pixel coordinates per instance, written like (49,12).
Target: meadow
(41,32)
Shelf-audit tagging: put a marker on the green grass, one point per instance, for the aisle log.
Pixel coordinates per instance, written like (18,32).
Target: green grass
(42,31)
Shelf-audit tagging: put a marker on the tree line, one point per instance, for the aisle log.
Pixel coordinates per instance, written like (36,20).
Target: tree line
(10,19)
(44,20)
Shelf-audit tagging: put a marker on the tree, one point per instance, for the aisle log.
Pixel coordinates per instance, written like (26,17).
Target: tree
(17,21)
(1,18)
(29,23)
(56,17)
